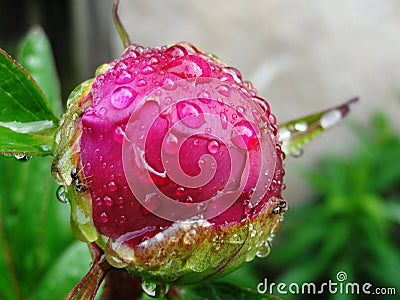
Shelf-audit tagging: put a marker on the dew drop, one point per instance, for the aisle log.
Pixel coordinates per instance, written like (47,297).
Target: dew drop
(234,73)
(152,61)
(302,126)
(224,120)
(62,194)
(240,111)
(122,97)
(108,201)
(176,51)
(141,82)
(102,112)
(204,97)
(122,219)
(167,100)
(297,153)
(124,77)
(213,146)
(201,206)
(189,66)
(190,237)
(104,217)
(22,157)
(152,202)
(331,118)
(244,135)
(224,90)
(119,135)
(153,289)
(147,70)
(168,84)
(236,239)
(112,186)
(180,191)
(264,250)
(190,114)
(171,144)
(120,200)
(98,201)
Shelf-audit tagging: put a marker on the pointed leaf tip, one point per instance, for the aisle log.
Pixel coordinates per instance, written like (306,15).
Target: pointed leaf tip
(295,134)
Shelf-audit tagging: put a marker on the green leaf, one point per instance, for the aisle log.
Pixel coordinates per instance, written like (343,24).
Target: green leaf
(295,134)
(27,123)
(36,57)
(35,233)
(218,291)
(69,269)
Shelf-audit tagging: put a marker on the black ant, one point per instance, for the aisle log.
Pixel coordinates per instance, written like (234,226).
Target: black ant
(79,185)
(279,208)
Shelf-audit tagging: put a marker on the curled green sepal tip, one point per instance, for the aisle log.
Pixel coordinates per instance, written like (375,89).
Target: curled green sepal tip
(295,134)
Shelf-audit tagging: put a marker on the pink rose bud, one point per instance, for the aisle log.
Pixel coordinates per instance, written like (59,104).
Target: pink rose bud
(172,165)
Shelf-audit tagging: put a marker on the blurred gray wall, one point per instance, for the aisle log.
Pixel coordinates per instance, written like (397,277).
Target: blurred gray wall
(301,55)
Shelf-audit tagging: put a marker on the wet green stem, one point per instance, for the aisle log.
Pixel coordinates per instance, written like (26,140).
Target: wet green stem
(87,288)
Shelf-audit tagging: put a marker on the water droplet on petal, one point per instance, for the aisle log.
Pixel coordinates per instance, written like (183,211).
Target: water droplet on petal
(240,111)
(141,82)
(176,51)
(244,135)
(119,135)
(224,120)
(180,191)
(190,114)
(124,77)
(170,145)
(122,97)
(112,186)
(204,97)
(189,66)
(108,201)
(104,217)
(201,206)
(102,112)
(213,146)
(147,70)
(168,84)
(224,90)
(152,202)
(152,61)
(120,200)
(234,74)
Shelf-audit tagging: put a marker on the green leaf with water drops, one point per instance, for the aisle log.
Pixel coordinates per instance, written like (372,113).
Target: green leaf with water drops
(217,291)
(295,134)
(27,123)
(36,57)
(35,235)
